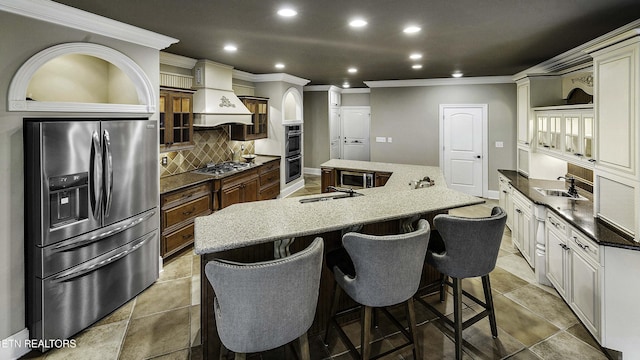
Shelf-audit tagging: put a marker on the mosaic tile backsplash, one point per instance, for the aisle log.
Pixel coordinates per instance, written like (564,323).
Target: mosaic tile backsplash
(212,145)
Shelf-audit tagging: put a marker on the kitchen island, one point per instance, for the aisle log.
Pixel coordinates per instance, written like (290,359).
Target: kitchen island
(247,232)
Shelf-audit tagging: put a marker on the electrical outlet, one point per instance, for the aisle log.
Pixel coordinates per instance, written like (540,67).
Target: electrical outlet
(389,139)
(164,161)
(381,139)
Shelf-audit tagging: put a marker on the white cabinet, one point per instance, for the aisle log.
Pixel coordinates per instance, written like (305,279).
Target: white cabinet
(557,261)
(566,132)
(505,200)
(525,125)
(574,269)
(584,282)
(616,79)
(334,98)
(616,65)
(522,233)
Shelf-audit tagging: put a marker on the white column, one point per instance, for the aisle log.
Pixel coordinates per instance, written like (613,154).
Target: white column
(540,261)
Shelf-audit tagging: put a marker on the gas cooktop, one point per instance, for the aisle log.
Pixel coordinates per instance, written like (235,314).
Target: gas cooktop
(224,168)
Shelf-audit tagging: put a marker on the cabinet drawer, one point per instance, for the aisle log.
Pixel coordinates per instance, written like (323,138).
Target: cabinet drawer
(187,211)
(269,166)
(234,180)
(556,224)
(179,239)
(522,202)
(269,178)
(584,246)
(270,192)
(180,196)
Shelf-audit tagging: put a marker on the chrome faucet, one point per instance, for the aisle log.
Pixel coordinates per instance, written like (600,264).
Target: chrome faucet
(351,192)
(572,185)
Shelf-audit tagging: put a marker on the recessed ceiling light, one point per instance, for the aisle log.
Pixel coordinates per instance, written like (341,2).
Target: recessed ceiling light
(411,29)
(230,48)
(352,70)
(287,12)
(357,23)
(416,66)
(415,56)
(279,66)
(346,85)
(457,74)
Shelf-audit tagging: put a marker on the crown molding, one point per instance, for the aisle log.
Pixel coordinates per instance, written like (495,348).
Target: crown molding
(63,15)
(581,55)
(284,77)
(356,91)
(481,80)
(177,60)
(325,88)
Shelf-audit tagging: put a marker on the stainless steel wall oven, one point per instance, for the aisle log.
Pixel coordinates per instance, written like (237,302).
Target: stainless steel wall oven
(293,152)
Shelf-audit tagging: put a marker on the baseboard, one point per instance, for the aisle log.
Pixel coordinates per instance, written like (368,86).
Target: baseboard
(14,346)
(312,171)
(493,194)
(291,189)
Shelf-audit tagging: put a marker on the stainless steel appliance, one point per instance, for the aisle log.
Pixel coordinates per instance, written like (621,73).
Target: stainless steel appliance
(293,168)
(293,153)
(91,219)
(294,140)
(356,179)
(223,168)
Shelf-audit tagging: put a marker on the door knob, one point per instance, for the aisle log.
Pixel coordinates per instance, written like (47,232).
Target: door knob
(478,156)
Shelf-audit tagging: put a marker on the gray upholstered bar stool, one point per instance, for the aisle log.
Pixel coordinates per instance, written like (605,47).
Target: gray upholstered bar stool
(468,248)
(376,272)
(262,306)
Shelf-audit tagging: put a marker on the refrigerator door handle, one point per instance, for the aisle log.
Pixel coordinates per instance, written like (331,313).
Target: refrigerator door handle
(108,172)
(108,231)
(96,174)
(102,260)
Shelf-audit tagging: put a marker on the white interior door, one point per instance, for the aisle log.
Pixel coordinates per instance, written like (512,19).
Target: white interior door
(462,139)
(355,123)
(334,133)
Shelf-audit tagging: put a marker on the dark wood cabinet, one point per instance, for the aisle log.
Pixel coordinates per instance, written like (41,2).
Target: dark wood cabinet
(259,108)
(178,210)
(176,118)
(328,177)
(239,188)
(269,180)
(381,178)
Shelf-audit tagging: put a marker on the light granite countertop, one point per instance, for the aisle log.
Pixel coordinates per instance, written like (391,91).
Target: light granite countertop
(246,224)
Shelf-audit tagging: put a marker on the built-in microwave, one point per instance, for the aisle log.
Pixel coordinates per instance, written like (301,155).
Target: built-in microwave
(356,179)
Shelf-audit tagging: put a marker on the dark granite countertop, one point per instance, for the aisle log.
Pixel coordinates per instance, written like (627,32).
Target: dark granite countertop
(186,179)
(577,213)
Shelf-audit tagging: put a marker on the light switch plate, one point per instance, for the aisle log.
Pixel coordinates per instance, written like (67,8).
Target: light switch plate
(499,144)
(389,139)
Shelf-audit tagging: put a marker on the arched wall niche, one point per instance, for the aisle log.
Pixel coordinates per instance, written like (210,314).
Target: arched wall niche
(292,106)
(141,96)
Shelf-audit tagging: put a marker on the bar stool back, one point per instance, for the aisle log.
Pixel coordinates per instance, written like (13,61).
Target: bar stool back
(470,249)
(387,272)
(262,306)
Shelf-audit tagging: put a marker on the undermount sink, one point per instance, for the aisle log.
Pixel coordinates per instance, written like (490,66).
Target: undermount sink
(559,193)
(330,197)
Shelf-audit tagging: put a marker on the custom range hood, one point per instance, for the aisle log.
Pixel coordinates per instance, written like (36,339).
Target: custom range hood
(214,102)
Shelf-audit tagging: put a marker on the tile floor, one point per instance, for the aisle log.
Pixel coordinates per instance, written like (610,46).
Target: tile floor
(164,321)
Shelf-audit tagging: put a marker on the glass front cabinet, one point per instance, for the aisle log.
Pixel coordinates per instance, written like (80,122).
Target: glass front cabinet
(566,133)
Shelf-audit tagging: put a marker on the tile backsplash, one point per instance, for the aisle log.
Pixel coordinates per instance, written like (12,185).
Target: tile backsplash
(211,145)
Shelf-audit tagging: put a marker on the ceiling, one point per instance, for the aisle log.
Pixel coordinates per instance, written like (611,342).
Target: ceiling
(477,38)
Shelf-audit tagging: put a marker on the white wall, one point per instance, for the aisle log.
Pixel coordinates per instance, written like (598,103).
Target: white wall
(21,38)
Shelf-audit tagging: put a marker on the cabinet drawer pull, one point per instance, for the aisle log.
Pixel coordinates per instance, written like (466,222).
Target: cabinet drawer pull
(504,191)
(563,246)
(189,212)
(186,196)
(582,246)
(519,211)
(187,236)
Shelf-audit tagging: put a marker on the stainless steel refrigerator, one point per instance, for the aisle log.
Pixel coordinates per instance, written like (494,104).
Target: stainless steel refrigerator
(91,220)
